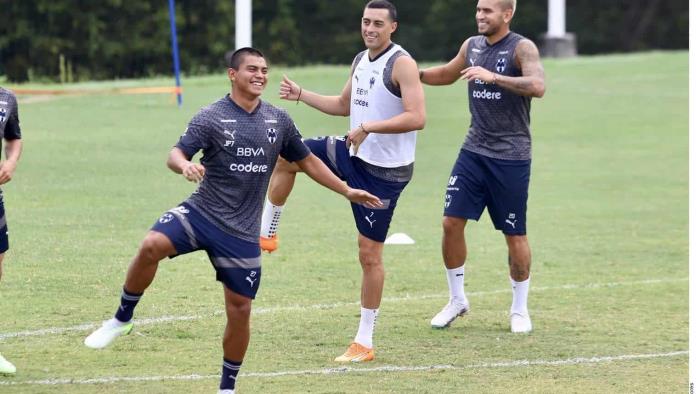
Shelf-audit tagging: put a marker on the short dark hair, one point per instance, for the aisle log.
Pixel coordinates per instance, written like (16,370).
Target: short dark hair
(238,56)
(384,4)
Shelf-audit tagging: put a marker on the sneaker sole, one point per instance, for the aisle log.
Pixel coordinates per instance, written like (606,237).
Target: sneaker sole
(462,313)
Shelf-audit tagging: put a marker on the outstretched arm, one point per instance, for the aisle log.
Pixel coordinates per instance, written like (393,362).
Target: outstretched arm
(181,164)
(446,74)
(13,149)
(332,105)
(531,83)
(318,171)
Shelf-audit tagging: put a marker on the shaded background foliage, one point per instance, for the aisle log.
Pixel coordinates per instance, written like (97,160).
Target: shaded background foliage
(69,40)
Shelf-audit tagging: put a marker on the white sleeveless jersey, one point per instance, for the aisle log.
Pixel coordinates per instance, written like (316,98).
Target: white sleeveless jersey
(371,100)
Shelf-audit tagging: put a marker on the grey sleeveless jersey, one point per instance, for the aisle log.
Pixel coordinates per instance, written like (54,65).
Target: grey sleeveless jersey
(240,150)
(499,118)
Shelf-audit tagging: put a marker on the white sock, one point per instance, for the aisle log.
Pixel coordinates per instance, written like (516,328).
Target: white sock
(368,318)
(519,296)
(455,280)
(270,219)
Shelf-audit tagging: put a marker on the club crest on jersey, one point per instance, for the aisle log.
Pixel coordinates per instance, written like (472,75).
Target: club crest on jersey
(272,135)
(372,82)
(500,65)
(3,115)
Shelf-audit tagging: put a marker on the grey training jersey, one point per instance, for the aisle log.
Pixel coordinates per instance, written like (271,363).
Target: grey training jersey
(9,116)
(240,150)
(499,118)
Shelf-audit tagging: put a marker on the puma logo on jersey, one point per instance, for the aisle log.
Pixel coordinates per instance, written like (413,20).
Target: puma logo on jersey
(230,133)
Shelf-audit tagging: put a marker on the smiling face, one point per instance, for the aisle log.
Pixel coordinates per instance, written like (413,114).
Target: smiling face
(377,28)
(493,17)
(251,76)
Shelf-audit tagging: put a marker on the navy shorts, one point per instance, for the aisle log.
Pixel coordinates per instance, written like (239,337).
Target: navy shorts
(4,239)
(477,182)
(237,262)
(373,223)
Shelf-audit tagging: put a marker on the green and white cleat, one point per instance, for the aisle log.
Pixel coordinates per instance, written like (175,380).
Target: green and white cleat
(6,367)
(110,330)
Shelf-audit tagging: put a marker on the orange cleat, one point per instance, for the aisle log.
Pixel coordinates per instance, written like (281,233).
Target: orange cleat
(356,353)
(269,244)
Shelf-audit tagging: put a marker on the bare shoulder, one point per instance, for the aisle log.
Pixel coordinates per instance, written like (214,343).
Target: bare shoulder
(405,62)
(465,46)
(405,67)
(526,50)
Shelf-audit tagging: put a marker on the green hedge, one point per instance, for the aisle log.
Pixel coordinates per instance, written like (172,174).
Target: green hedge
(68,40)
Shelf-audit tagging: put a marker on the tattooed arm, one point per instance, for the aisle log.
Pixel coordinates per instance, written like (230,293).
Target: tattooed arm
(531,83)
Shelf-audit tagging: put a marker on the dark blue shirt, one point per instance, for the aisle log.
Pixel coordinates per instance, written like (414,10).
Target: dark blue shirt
(9,116)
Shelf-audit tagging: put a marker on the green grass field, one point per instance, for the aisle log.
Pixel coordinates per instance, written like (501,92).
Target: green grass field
(608,216)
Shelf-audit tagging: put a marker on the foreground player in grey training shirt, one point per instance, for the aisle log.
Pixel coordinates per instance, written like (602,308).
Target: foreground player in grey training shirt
(492,171)
(11,133)
(241,138)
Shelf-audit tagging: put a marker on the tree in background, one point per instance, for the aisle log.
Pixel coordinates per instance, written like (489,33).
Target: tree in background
(65,40)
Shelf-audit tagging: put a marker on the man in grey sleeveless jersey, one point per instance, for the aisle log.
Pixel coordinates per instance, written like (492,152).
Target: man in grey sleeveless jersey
(492,171)
(386,105)
(11,133)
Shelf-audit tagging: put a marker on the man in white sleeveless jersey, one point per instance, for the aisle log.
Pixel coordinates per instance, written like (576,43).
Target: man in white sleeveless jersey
(503,72)
(385,101)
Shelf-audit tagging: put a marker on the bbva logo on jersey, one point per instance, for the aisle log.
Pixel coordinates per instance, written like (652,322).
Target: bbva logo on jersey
(272,135)
(3,115)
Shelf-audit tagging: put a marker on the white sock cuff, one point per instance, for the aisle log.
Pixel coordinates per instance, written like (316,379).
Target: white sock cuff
(455,282)
(520,291)
(369,312)
(524,282)
(270,218)
(454,271)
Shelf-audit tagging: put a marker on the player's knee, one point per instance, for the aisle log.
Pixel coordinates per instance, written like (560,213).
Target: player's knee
(370,261)
(238,311)
(517,243)
(151,249)
(453,226)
